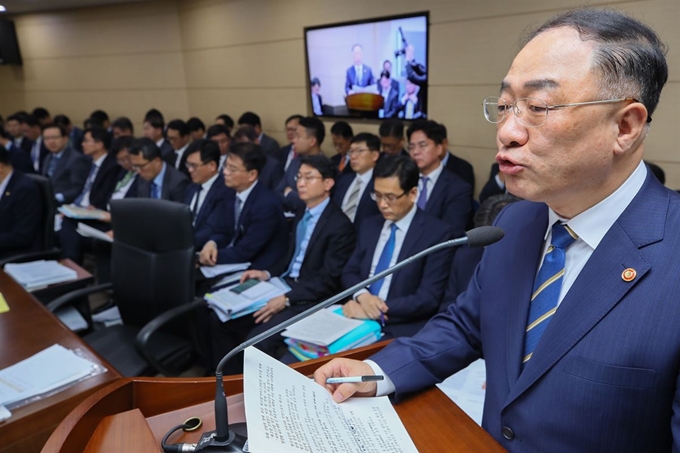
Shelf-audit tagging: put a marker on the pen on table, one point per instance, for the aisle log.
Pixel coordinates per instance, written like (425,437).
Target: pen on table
(351,379)
(382,318)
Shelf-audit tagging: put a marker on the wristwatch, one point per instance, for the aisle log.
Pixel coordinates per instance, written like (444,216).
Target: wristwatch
(287,302)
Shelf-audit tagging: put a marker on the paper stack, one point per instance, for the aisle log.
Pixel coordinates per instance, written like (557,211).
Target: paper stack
(76,212)
(328,332)
(241,299)
(38,274)
(89,232)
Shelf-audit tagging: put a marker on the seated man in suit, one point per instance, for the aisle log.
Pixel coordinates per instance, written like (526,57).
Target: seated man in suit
(308,139)
(287,153)
(392,142)
(406,300)
(196,128)
(323,241)
(226,121)
(19,159)
(178,135)
(98,189)
(390,95)
(341,134)
(66,168)
(358,75)
(455,164)
(126,182)
(254,218)
(13,127)
(158,179)
(269,145)
(21,210)
(273,170)
(153,128)
(353,191)
(411,102)
(207,194)
(33,133)
(75,134)
(495,185)
(122,127)
(442,194)
(220,135)
(317,101)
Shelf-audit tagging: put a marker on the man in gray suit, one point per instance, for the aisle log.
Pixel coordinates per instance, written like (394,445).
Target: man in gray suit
(67,169)
(158,179)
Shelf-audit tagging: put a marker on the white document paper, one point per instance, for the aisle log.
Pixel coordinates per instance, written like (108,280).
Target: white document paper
(322,328)
(288,412)
(226,302)
(467,388)
(76,212)
(40,273)
(89,232)
(221,269)
(47,370)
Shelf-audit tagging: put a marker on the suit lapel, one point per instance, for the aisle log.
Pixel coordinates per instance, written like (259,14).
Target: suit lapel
(5,200)
(437,192)
(320,226)
(61,163)
(415,230)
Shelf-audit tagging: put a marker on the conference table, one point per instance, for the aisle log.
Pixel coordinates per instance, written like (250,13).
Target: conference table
(26,329)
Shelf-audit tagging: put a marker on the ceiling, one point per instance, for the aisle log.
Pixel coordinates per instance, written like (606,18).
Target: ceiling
(32,6)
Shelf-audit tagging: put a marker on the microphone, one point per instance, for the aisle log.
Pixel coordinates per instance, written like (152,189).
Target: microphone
(224,439)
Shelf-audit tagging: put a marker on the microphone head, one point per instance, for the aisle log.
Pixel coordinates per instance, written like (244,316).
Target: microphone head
(483,236)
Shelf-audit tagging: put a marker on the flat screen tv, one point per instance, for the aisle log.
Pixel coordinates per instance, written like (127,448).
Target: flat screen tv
(372,68)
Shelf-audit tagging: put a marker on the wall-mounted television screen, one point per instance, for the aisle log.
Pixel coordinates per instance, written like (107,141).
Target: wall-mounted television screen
(373,68)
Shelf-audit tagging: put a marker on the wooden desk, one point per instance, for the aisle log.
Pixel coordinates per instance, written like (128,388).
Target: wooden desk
(133,414)
(51,292)
(26,329)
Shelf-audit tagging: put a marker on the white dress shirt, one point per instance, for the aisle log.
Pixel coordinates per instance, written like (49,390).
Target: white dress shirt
(178,155)
(205,188)
(365,179)
(432,180)
(85,202)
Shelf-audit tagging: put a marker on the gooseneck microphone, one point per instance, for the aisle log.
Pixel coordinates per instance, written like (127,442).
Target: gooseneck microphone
(224,439)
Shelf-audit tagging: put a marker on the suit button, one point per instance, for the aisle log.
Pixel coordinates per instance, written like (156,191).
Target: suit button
(508,433)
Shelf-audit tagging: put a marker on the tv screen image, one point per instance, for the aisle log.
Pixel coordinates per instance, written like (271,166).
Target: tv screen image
(374,68)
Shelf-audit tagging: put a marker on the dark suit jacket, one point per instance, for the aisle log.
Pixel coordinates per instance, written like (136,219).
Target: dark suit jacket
(346,171)
(21,216)
(167,150)
(462,168)
(76,138)
(329,248)
(282,154)
(174,186)
(261,236)
(465,260)
(290,202)
(69,175)
(20,160)
(104,183)
(27,145)
(491,187)
(366,208)
(451,201)
(416,290)
(391,106)
(604,375)
(214,206)
(170,159)
(351,78)
(271,173)
(269,145)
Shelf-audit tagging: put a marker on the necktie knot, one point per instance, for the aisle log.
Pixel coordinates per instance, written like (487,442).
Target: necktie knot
(562,236)
(393,228)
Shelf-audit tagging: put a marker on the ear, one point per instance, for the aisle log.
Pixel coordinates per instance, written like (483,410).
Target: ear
(328,184)
(631,130)
(252,176)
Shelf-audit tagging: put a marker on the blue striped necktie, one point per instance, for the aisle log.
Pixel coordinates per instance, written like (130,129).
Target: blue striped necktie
(300,233)
(384,260)
(547,288)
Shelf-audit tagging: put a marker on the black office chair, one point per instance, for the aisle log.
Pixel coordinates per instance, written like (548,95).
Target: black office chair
(45,248)
(152,271)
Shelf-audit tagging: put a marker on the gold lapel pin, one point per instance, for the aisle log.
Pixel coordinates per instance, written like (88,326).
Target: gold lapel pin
(628,275)
(7,194)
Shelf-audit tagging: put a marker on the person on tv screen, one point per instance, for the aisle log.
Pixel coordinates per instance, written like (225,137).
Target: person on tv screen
(415,72)
(411,105)
(358,75)
(316,97)
(390,94)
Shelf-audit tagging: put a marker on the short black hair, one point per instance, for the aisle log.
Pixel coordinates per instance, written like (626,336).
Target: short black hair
(4,156)
(343,129)
(392,128)
(247,132)
(314,127)
(30,120)
(251,154)
(40,113)
(155,121)
(62,130)
(92,121)
(250,118)
(62,120)
(121,143)
(385,73)
(372,141)
(293,117)
(228,121)
(315,81)
(123,123)
(321,163)
(146,147)
(99,134)
(179,126)
(100,115)
(195,124)
(431,129)
(491,207)
(217,129)
(403,167)
(209,150)
(154,113)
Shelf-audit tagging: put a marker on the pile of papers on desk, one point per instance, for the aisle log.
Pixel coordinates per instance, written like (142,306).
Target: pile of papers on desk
(38,274)
(328,332)
(242,299)
(73,211)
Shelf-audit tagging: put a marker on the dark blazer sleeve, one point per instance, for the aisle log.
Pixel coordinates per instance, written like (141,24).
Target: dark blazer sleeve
(453,202)
(79,170)
(104,183)
(349,79)
(23,216)
(359,263)
(177,185)
(271,173)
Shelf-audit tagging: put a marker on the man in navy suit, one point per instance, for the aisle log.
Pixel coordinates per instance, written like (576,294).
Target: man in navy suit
(75,134)
(455,164)
(178,136)
(287,153)
(358,75)
(220,135)
(19,159)
(407,299)
(21,210)
(33,135)
(391,133)
(15,130)
(153,128)
(353,191)
(66,168)
(273,170)
(254,218)
(207,194)
(441,194)
(341,134)
(322,242)
(602,373)
(156,179)
(391,95)
(268,144)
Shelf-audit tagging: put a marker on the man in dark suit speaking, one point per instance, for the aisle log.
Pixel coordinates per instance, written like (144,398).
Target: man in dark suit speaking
(358,75)
(575,311)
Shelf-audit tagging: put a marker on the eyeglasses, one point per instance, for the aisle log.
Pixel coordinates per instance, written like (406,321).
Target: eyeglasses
(422,146)
(193,167)
(307,178)
(530,112)
(357,151)
(140,167)
(51,137)
(389,198)
(230,169)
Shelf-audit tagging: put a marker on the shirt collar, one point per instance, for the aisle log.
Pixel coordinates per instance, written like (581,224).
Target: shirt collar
(159,143)
(100,160)
(592,224)
(366,177)
(208,184)
(318,209)
(405,221)
(182,149)
(159,177)
(243,196)
(445,160)
(434,174)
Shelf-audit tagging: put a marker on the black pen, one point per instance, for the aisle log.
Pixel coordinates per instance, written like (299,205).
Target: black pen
(352,379)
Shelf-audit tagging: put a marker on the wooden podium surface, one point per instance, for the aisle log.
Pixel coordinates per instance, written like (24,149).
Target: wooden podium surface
(26,329)
(134,414)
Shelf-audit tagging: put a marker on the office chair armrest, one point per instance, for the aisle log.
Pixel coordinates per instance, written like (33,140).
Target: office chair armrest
(52,254)
(159,321)
(67,298)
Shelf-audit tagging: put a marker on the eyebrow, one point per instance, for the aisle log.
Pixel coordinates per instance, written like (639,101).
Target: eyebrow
(538,84)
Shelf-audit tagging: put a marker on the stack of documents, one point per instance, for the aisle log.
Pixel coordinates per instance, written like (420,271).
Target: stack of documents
(42,373)
(76,212)
(328,332)
(242,299)
(89,232)
(38,274)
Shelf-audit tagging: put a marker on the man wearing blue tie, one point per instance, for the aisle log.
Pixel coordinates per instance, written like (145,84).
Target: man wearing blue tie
(576,310)
(158,179)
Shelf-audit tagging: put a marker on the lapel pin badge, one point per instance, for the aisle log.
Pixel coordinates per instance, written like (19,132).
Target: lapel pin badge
(7,193)
(628,275)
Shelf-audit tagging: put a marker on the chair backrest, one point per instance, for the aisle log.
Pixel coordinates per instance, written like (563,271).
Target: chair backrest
(49,210)
(153,257)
